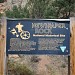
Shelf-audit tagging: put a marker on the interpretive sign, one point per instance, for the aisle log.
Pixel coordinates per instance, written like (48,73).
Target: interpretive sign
(26,36)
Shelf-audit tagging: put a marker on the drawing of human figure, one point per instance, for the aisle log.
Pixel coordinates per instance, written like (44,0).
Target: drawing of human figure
(19,27)
(13,31)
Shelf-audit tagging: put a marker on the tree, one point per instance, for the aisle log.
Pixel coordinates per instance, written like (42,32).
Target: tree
(64,8)
(43,9)
(1,1)
(37,8)
(17,12)
(51,8)
(9,13)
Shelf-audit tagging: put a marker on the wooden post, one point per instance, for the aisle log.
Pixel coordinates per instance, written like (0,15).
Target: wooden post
(1,57)
(73,57)
(72,45)
(2,48)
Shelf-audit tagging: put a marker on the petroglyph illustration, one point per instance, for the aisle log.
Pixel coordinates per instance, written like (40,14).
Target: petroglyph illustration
(19,27)
(23,34)
(13,31)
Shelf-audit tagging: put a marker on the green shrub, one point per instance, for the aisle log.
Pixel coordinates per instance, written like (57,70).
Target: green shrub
(17,12)
(1,15)
(1,1)
(63,65)
(18,69)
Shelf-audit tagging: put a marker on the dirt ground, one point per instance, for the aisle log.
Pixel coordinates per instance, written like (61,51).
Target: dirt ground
(47,65)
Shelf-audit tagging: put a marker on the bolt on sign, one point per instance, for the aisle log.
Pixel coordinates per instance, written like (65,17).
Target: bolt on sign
(44,36)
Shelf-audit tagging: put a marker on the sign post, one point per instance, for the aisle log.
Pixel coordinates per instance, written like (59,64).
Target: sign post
(29,36)
(2,48)
(68,64)
(72,45)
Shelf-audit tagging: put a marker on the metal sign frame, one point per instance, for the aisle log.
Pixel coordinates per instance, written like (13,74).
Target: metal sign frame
(14,23)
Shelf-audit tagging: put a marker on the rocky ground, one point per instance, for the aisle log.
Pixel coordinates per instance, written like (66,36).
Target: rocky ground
(44,64)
